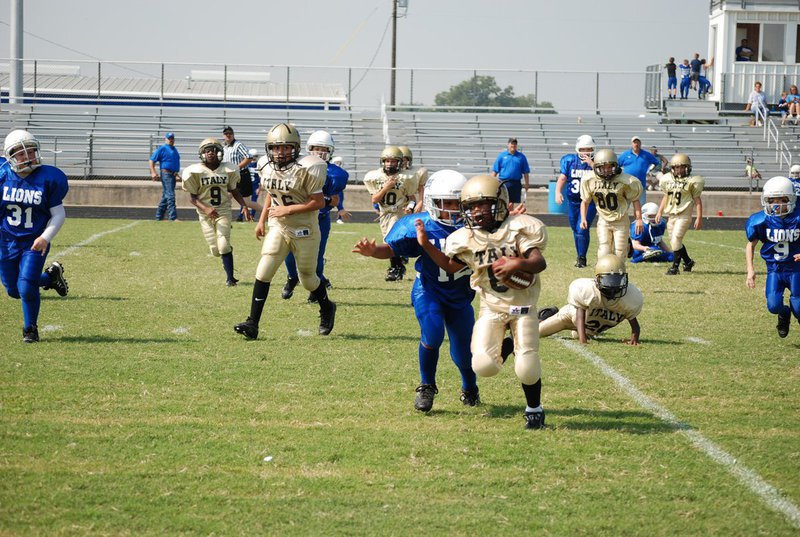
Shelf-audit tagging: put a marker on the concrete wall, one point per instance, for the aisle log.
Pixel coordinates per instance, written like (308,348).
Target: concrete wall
(148,194)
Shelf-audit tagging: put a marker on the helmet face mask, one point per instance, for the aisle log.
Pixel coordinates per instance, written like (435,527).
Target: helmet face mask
(484,202)
(283,146)
(442,197)
(391,160)
(21,150)
(611,277)
(778,196)
(320,143)
(210,152)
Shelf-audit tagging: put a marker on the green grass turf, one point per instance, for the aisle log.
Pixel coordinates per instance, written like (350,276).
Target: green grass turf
(142,412)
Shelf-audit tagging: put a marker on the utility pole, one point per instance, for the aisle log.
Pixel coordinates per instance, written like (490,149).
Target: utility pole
(394,52)
(15,72)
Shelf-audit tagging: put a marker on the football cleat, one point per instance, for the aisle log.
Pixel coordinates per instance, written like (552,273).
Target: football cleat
(546,313)
(469,397)
(326,319)
(248,329)
(57,281)
(783,324)
(672,271)
(30,334)
(232,282)
(288,289)
(395,274)
(581,262)
(688,265)
(534,420)
(424,398)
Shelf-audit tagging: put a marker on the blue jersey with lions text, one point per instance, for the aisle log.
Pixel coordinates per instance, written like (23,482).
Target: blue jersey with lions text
(25,205)
(574,169)
(781,238)
(452,290)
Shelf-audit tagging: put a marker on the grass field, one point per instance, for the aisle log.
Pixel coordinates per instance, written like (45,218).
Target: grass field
(141,412)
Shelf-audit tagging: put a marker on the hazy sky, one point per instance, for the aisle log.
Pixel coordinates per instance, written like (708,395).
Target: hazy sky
(570,35)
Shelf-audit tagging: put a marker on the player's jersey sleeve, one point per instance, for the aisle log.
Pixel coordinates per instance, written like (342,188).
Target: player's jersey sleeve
(586,187)
(190,181)
(371,181)
(338,179)
(696,186)
(410,184)
(402,238)
(754,225)
(314,179)
(531,233)
(633,189)
(582,293)
(57,187)
(457,247)
(565,165)
(632,303)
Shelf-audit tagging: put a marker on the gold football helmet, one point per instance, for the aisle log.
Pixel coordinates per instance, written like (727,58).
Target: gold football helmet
(283,134)
(611,277)
(391,159)
(408,156)
(209,143)
(681,165)
(474,197)
(603,158)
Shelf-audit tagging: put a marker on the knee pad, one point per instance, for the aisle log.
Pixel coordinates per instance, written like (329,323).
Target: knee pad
(775,303)
(527,368)
(484,365)
(223,247)
(309,280)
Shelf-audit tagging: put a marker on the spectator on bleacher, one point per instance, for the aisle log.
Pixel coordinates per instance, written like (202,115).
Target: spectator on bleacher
(757,101)
(685,78)
(672,79)
(239,155)
(637,162)
(794,103)
(752,173)
(510,167)
(703,87)
(169,164)
(743,52)
(694,70)
(783,108)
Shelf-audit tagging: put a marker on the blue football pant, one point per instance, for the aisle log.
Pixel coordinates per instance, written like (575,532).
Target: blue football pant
(580,236)
(777,283)
(434,318)
(22,277)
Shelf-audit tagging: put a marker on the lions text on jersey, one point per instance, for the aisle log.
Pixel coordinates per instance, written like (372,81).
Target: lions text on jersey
(780,237)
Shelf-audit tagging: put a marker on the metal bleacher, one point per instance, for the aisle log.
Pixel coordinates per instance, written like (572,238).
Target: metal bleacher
(115,141)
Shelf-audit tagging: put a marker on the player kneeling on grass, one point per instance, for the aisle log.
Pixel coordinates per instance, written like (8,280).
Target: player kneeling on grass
(595,305)
(210,184)
(648,245)
(294,187)
(505,254)
(778,228)
(441,301)
(32,212)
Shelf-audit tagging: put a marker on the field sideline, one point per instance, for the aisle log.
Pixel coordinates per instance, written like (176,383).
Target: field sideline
(141,412)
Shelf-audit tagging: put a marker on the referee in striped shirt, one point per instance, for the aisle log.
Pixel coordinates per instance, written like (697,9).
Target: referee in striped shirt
(238,154)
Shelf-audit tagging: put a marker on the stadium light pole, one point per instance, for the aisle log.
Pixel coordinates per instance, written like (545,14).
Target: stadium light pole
(15,71)
(394,52)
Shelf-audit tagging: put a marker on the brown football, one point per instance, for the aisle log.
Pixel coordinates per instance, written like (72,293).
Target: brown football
(521,279)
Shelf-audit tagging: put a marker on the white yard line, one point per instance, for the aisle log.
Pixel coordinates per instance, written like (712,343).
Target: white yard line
(84,242)
(737,248)
(694,339)
(771,496)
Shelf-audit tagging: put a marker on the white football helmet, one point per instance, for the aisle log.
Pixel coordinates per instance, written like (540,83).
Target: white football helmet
(775,189)
(649,211)
(253,153)
(321,139)
(444,185)
(18,142)
(339,161)
(794,171)
(584,142)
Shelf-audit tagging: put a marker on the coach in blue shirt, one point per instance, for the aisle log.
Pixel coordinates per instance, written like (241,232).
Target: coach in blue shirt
(511,166)
(636,162)
(169,162)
